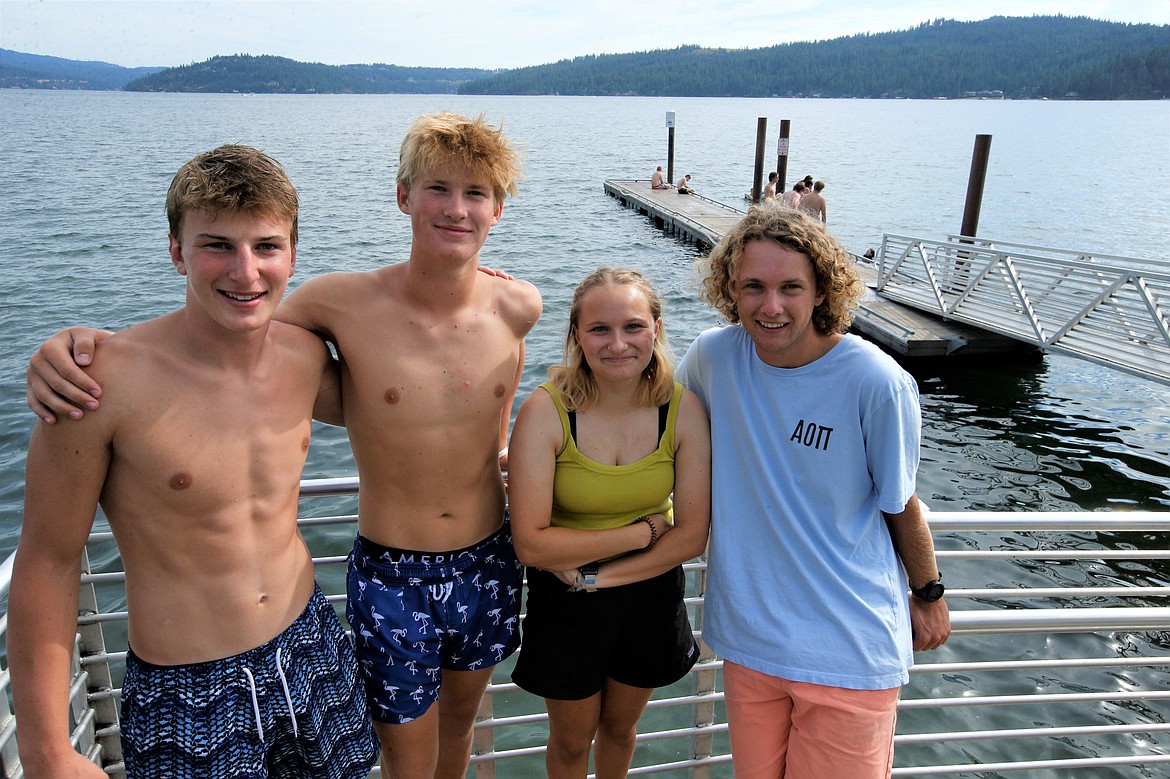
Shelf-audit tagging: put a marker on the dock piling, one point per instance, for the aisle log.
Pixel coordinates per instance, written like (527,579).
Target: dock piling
(758,171)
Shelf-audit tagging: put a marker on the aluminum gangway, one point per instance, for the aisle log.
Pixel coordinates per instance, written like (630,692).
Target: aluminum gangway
(1107,309)
(1043,676)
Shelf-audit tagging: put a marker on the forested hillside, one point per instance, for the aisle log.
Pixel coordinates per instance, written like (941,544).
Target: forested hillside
(243,73)
(1034,57)
(36,71)
(1055,57)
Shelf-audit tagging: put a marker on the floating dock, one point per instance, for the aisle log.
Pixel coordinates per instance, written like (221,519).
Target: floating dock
(902,330)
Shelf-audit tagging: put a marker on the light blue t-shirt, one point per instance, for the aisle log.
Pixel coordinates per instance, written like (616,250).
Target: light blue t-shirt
(803,580)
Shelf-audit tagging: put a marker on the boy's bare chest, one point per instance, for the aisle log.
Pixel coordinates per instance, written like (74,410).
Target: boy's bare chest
(462,366)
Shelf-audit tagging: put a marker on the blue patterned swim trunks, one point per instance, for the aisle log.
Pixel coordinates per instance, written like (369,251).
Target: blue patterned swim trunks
(293,708)
(415,614)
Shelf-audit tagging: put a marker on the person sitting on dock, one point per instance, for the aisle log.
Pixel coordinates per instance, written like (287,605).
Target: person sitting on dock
(237,665)
(815,524)
(684,185)
(657,180)
(610,492)
(432,351)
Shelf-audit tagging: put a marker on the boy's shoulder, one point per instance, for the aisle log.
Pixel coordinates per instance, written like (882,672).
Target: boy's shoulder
(519,300)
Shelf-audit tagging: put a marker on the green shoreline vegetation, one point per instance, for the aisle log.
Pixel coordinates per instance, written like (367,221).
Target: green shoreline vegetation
(1037,57)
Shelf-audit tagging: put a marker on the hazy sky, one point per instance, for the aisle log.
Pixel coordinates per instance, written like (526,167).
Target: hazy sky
(482,34)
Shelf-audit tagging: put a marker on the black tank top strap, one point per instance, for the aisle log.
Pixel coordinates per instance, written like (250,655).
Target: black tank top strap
(663,415)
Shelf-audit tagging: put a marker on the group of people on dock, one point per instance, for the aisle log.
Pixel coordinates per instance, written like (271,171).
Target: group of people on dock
(783,445)
(806,195)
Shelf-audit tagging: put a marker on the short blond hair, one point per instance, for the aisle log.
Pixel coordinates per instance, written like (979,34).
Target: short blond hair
(833,267)
(444,139)
(573,378)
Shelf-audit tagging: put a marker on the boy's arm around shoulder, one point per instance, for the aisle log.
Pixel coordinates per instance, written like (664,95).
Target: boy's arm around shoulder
(311,305)
(321,366)
(65,473)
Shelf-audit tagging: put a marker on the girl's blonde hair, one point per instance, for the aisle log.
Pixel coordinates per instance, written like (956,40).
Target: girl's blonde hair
(574,378)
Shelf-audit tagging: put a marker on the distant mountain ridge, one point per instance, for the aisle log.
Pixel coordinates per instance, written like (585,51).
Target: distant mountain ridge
(36,71)
(1055,57)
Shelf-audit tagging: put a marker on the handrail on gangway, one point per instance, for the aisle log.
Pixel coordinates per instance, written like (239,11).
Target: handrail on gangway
(1108,309)
(1080,669)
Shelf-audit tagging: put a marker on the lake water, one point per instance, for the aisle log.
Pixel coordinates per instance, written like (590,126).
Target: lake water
(83,240)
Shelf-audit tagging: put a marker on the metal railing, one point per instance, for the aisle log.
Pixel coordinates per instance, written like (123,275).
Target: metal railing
(1082,673)
(1108,309)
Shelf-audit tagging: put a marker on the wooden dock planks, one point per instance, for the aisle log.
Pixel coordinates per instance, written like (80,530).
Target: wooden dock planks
(901,329)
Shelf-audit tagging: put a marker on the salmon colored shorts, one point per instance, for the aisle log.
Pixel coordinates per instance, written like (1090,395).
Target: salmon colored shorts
(807,731)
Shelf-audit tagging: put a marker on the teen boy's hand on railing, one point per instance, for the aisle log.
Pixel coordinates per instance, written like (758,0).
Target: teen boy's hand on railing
(56,385)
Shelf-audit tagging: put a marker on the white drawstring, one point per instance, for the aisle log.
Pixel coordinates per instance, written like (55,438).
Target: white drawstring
(287,697)
(255,704)
(284,685)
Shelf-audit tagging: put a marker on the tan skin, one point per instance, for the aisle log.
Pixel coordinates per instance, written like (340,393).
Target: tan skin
(616,332)
(431,353)
(196,460)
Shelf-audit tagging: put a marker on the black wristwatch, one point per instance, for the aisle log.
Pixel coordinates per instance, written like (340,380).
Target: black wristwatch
(587,578)
(931,591)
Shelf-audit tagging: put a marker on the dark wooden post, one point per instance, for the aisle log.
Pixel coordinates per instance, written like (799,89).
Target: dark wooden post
(975,185)
(758,174)
(782,155)
(670,148)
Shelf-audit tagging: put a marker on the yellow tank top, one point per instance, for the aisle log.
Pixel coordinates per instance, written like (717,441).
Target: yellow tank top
(590,496)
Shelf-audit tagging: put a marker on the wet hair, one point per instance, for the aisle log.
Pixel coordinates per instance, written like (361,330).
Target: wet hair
(818,186)
(833,269)
(233,178)
(773,176)
(799,187)
(443,140)
(573,378)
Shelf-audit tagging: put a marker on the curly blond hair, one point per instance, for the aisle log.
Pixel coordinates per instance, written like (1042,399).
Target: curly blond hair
(833,267)
(440,140)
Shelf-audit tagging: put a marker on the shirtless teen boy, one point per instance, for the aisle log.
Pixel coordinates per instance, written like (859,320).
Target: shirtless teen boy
(431,353)
(238,665)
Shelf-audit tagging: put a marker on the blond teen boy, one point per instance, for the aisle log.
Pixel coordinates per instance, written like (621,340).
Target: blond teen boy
(431,353)
(238,666)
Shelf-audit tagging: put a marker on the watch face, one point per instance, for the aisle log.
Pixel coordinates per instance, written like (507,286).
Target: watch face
(932,591)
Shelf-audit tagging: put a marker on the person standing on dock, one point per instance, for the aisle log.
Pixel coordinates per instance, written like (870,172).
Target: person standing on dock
(770,188)
(813,203)
(791,198)
(238,665)
(432,350)
(817,536)
(610,492)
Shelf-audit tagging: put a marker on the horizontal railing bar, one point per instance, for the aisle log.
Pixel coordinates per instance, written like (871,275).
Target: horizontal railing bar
(1049,520)
(1030,765)
(1062,620)
(980,666)
(1031,698)
(1054,554)
(987,735)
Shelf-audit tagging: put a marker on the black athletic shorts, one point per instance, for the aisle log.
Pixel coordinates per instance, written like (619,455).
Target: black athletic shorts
(636,634)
